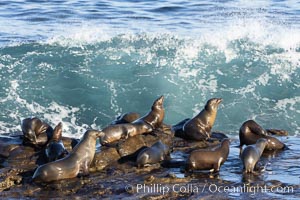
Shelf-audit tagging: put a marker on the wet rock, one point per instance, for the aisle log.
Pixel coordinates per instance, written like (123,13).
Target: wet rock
(187,146)
(103,158)
(9,178)
(131,145)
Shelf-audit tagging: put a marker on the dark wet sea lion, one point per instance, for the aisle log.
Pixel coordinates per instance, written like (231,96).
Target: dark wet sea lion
(199,127)
(77,161)
(113,133)
(55,148)
(36,132)
(251,154)
(156,116)
(152,155)
(250,132)
(126,118)
(208,159)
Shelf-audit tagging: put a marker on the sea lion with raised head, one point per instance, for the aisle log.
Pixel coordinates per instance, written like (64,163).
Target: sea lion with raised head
(77,161)
(199,127)
(55,148)
(252,153)
(251,131)
(156,115)
(36,132)
(208,159)
(152,155)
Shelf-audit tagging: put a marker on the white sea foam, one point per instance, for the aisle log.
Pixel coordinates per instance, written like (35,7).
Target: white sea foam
(288,103)
(52,114)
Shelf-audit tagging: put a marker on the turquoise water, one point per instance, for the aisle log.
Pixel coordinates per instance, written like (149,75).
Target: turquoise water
(84,63)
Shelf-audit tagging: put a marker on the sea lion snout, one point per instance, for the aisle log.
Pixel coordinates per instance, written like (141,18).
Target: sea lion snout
(99,134)
(216,101)
(219,100)
(160,100)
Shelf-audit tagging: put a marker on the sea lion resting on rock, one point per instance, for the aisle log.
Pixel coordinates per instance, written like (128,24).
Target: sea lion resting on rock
(199,127)
(68,167)
(152,155)
(116,132)
(36,132)
(250,132)
(55,148)
(205,159)
(252,153)
(126,118)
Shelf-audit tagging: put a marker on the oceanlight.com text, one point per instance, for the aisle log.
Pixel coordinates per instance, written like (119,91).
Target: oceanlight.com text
(208,188)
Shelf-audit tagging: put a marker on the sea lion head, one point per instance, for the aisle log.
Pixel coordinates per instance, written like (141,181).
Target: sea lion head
(158,103)
(261,143)
(212,104)
(38,126)
(94,134)
(225,142)
(28,130)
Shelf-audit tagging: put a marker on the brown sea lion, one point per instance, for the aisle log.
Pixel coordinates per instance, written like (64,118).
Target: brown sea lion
(252,153)
(156,116)
(113,133)
(199,127)
(77,161)
(55,148)
(250,132)
(208,159)
(36,132)
(152,155)
(126,118)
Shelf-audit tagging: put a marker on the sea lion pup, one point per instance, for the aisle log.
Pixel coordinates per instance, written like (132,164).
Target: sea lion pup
(36,132)
(156,115)
(250,132)
(77,161)
(55,148)
(152,155)
(208,159)
(113,133)
(126,118)
(252,153)
(199,127)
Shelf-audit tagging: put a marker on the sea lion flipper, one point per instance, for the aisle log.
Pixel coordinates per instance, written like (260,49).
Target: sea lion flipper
(57,133)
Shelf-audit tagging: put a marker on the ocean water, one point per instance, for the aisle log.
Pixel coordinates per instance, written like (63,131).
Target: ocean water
(86,62)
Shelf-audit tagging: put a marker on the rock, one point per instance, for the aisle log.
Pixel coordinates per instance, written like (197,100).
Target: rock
(187,146)
(104,157)
(131,145)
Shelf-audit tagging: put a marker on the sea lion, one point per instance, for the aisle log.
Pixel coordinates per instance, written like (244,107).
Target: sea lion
(252,153)
(77,161)
(199,127)
(55,148)
(208,159)
(250,132)
(156,115)
(126,118)
(36,132)
(113,133)
(152,155)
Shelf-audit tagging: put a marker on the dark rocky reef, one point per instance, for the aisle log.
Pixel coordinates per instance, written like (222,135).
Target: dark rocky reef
(114,173)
